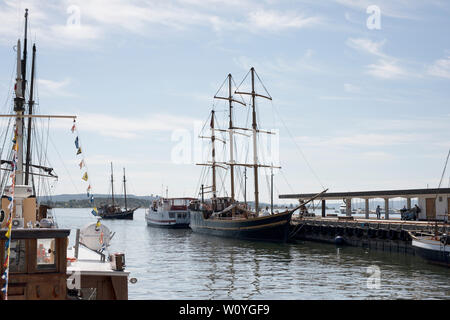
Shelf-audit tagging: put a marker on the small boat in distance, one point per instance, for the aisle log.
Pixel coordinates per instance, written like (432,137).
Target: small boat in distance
(169,213)
(113,211)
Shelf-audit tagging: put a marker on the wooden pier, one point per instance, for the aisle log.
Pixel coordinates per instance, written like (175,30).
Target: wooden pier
(386,235)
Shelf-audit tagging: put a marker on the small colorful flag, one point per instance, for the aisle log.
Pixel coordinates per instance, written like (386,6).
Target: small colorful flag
(92,198)
(81,164)
(79,151)
(85,176)
(76,143)
(89,188)
(73,127)
(95,212)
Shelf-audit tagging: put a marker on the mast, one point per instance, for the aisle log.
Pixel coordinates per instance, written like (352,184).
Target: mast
(245,186)
(19,109)
(213,151)
(230,127)
(24,60)
(112,185)
(125,189)
(255,131)
(30,112)
(255,150)
(271,190)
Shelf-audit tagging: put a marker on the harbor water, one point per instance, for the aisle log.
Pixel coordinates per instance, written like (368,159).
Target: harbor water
(179,264)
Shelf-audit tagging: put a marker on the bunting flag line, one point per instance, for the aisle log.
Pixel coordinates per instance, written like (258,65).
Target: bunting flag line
(85,176)
(5,275)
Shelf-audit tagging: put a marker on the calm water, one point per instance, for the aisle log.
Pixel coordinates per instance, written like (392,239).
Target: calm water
(179,264)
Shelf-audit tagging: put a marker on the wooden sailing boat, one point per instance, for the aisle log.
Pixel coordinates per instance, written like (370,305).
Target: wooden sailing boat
(113,211)
(35,261)
(225,216)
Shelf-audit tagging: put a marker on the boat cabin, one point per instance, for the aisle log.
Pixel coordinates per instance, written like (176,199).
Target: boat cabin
(171,204)
(37,265)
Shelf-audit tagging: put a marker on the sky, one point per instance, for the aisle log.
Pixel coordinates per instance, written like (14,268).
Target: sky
(360,90)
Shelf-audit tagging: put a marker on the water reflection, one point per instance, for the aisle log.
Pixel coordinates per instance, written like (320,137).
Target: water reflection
(180,264)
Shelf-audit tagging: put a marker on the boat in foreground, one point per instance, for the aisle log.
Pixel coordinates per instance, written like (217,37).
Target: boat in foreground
(35,261)
(169,213)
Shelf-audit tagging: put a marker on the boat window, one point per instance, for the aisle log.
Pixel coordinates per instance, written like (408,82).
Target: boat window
(17,256)
(171,214)
(46,254)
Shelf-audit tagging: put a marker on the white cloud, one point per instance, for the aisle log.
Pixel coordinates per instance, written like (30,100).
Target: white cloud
(350,88)
(367,45)
(129,127)
(386,69)
(54,88)
(362,140)
(440,68)
(275,21)
(100,18)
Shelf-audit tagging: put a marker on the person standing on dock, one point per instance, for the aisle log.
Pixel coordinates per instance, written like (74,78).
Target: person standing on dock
(378,212)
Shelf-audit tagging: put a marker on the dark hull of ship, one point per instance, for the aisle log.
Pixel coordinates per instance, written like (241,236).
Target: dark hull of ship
(273,228)
(168,226)
(123,215)
(432,254)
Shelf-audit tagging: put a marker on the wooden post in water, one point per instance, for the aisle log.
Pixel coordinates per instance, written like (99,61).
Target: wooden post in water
(367,208)
(386,208)
(348,203)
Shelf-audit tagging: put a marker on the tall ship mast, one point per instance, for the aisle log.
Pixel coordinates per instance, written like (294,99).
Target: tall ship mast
(226,216)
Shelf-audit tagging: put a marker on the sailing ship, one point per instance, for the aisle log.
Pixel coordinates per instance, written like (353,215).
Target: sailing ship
(35,261)
(225,216)
(169,213)
(113,210)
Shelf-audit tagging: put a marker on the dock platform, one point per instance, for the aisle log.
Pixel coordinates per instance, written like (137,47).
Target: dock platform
(387,235)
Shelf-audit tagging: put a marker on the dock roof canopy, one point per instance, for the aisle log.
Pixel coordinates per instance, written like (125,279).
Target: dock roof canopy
(409,193)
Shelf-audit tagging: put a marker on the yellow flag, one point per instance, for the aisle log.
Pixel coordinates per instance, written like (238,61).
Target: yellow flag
(85,176)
